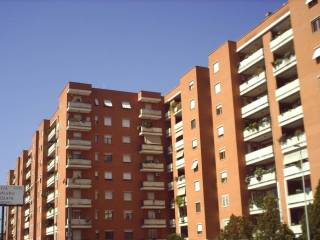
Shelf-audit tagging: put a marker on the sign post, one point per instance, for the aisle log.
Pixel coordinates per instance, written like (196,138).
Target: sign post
(10,195)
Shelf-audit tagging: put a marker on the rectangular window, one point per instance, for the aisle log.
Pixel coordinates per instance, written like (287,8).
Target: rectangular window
(315,24)
(199,228)
(216,67)
(108,175)
(220,131)
(191,85)
(217,88)
(107,139)
(107,103)
(218,109)
(125,122)
(224,177)
(126,139)
(96,195)
(96,138)
(127,214)
(108,215)
(194,143)
(107,157)
(107,121)
(96,214)
(222,154)
(96,156)
(96,174)
(96,101)
(194,165)
(197,186)
(126,105)
(127,176)
(127,196)
(126,158)
(193,123)
(96,120)
(128,235)
(108,195)
(225,200)
(192,104)
(198,206)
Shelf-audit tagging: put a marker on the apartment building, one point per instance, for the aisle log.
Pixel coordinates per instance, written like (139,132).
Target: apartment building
(119,165)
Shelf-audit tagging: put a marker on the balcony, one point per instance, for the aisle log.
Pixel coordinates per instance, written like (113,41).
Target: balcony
(170,186)
(287,90)
(153,131)
(281,40)
(78,144)
(80,223)
(181,181)
(153,204)
(259,155)
(172,223)
(296,229)
(293,142)
(178,126)
(79,107)
(151,149)
(50,213)
(51,150)
(290,116)
(180,163)
(258,133)
(52,134)
(297,200)
(50,197)
(82,92)
(297,170)
(255,106)
(27,212)
(28,164)
(50,181)
(181,191)
(170,167)
(51,165)
(26,237)
(253,83)
(151,185)
(76,125)
(284,64)
(150,114)
(152,167)
(183,220)
(77,163)
(254,209)
(154,223)
(27,199)
(28,174)
(78,183)
(51,230)
(266,180)
(251,60)
(79,203)
(167,115)
(168,132)
(179,145)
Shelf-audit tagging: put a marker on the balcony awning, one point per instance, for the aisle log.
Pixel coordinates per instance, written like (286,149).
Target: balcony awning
(179,154)
(316,53)
(194,164)
(107,103)
(308,1)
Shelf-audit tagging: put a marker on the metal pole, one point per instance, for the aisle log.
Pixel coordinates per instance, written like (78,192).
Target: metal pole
(2,222)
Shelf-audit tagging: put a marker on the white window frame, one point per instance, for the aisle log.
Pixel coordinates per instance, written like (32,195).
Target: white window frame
(127,176)
(126,158)
(127,196)
(217,88)
(220,131)
(196,186)
(225,200)
(126,105)
(192,104)
(108,175)
(126,123)
(108,195)
(107,103)
(191,85)
(126,139)
(216,67)
(194,143)
(107,121)
(199,228)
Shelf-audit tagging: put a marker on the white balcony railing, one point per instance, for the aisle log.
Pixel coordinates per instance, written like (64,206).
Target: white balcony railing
(78,144)
(288,89)
(170,186)
(183,220)
(253,133)
(51,165)
(180,163)
(151,185)
(28,174)
(152,167)
(168,132)
(51,149)
(299,198)
(284,65)
(79,125)
(52,134)
(296,229)
(81,223)
(78,183)
(290,116)
(293,142)
(79,107)
(79,202)
(153,131)
(50,181)
(297,170)
(50,213)
(154,223)
(50,197)
(255,106)
(179,145)
(28,164)
(181,182)
(78,163)
(259,155)
(254,209)
(153,204)
(178,127)
(253,83)
(281,40)
(266,179)
(151,149)
(51,230)
(150,114)
(250,60)
(27,212)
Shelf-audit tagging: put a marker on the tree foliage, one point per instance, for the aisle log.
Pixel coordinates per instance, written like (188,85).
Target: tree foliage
(174,236)
(237,228)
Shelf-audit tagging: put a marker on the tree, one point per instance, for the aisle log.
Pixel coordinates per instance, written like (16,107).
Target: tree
(314,219)
(237,228)
(269,226)
(174,236)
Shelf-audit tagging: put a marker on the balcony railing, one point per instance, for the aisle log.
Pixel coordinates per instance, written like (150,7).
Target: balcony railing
(79,125)
(153,131)
(51,165)
(81,223)
(255,106)
(183,220)
(254,209)
(180,163)
(253,83)
(152,167)
(28,174)
(27,212)
(28,164)
(50,197)
(151,185)
(259,155)
(79,107)
(27,199)
(178,126)
(179,145)
(52,150)
(27,187)
(170,186)
(290,116)
(281,40)
(250,60)
(266,179)
(168,132)
(50,181)
(296,229)
(170,167)
(50,213)
(293,142)
(288,89)
(78,183)
(181,181)
(78,163)
(299,198)
(51,230)
(263,128)
(150,114)
(153,204)
(52,134)
(151,149)
(79,202)
(75,91)
(297,170)
(154,223)
(284,64)
(78,144)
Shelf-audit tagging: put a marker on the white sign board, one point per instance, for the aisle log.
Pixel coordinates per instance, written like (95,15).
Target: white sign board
(11,195)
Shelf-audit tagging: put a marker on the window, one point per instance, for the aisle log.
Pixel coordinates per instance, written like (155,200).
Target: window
(217,88)
(151,195)
(127,196)
(193,123)
(315,24)
(108,214)
(128,235)
(96,174)
(96,101)
(126,158)
(96,120)
(191,85)
(127,176)
(96,138)
(126,105)
(107,139)
(220,131)
(216,67)
(125,122)
(107,121)
(194,165)
(194,143)
(96,156)
(96,195)
(108,175)
(198,206)
(218,109)
(199,228)
(107,103)
(222,154)
(96,214)
(97,235)
(126,139)
(127,214)
(192,104)
(225,200)
(108,235)
(107,157)
(311,3)
(197,186)
(108,195)
(316,53)
(224,177)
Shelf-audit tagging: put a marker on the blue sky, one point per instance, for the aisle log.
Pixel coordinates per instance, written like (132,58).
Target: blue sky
(124,45)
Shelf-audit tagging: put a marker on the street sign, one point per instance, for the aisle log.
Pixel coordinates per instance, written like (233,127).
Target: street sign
(11,195)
